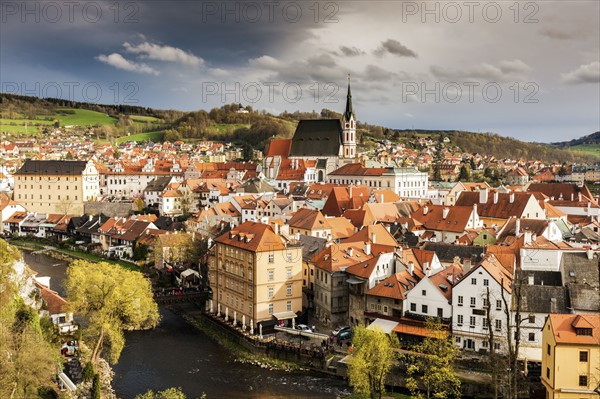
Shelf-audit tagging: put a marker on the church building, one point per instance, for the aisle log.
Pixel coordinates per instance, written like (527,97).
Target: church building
(323,145)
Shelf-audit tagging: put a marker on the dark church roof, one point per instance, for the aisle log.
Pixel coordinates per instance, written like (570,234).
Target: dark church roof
(318,137)
(34,167)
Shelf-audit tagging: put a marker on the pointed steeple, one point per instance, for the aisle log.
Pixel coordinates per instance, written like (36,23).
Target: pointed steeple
(349,111)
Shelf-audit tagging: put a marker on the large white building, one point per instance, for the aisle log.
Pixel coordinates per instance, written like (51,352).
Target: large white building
(470,325)
(406,182)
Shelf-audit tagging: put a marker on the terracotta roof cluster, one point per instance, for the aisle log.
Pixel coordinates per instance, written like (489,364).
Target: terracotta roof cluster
(444,218)
(573,329)
(251,236)
(309,219)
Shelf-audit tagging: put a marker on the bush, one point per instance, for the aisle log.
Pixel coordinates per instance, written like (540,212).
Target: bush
(88,372)
(96,387)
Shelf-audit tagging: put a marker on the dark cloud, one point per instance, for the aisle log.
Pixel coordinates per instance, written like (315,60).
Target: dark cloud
(394,47)
(557,33)
(351,51)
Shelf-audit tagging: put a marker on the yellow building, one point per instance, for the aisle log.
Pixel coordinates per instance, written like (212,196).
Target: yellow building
(571,356)
(56,186)
(257,276)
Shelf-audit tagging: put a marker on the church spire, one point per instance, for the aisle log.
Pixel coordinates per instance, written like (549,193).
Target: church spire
(349,111)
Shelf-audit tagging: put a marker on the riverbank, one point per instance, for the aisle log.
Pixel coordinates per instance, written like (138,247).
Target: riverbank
(240,352)
(56,252)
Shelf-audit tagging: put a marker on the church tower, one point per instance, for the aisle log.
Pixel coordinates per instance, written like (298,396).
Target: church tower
(349,128)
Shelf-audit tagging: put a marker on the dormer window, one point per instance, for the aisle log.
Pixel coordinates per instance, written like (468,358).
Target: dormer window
(583,331)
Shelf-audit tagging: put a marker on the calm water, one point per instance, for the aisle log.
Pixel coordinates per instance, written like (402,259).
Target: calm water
(176,354)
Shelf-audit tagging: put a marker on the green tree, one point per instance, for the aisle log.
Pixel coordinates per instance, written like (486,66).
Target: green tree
(432,367)
(113,299)
(374,354)
(171,393)
(27,359)
(96,387)
(437,172)
(465,173)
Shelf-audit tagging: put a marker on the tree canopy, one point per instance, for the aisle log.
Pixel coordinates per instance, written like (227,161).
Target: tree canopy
(374,354)
(113,299)
(432,367)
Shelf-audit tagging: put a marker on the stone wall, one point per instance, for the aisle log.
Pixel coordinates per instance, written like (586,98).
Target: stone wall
(110,209)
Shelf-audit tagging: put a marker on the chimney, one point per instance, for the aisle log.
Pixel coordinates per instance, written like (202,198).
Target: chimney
(530,280)
(298,236)
(496,197)
(589,207)
(572,196)
(553,308)
(527,237)
(411,268)
(381,198)
(511,198)
(517,227)
(579,197)
(445,213)
(466,266)
(350,252)
(425,210)
(367,248)
(276,228)
(589,253)
(350,191)
(373,238)
(483,196)
(475,209)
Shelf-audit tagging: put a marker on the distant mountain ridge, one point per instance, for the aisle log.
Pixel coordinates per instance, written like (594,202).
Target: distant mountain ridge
(593,138)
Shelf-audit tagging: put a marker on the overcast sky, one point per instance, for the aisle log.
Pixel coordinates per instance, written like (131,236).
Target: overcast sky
(529,70)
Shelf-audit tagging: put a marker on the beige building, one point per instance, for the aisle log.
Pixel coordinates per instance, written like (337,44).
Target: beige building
(257,276)
(571,356)
(56,186)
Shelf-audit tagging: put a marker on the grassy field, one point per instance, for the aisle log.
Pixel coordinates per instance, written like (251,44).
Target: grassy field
(588,149)
(228,128)
(144,119)
(84,117)
(80,117)
(141,137)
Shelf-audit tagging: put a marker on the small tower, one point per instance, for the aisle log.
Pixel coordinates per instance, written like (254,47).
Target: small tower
(349,128)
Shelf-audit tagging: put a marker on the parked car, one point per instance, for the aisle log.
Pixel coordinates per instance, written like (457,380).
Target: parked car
(344,335)
(303,328)
(340,329)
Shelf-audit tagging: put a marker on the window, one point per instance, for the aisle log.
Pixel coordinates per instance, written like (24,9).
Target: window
(288,290)
(440,312)
(271,258)
(532,318)
(385,309)
(472,321)
(583,356)
(498,304)
(486,282)
(424,293)
(583,380)
(548,350)
(289,306)
(485,324)
(288,272)
(270,308)
(473,301)
(249,291)
(531,337)
(496,346)
(473,281)
(413,307)
(458,340)
(271,292)
(547,372)
(459,320)
(271,274)
(460,300)
(485,303)
(424,309)
(498,325)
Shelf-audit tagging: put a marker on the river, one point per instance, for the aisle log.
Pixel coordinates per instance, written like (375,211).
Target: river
(176,354)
